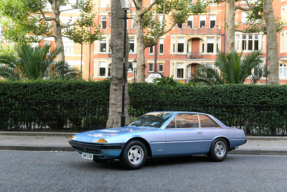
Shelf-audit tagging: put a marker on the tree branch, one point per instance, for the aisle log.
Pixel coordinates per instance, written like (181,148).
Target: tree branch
(67,10)
(48,19)
(149,44)
(249,7)
(147,9)
(136,5)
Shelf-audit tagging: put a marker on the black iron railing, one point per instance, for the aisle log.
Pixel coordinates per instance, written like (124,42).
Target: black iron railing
(76,116)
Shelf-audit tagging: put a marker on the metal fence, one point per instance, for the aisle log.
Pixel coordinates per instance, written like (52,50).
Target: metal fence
(253,119)
(64,116)
(80,116)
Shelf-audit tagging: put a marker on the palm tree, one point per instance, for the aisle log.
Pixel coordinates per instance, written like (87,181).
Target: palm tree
(234,70)
(11,70)
(33,63)
(61,70)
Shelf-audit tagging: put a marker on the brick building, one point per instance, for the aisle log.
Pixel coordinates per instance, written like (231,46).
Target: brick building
(181,50)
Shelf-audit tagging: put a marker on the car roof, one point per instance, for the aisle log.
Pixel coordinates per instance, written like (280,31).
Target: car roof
(178,112)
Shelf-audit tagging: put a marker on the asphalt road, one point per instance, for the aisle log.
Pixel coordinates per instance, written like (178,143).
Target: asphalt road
(67,171)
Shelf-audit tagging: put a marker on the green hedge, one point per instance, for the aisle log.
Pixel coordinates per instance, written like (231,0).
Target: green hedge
(227,94)
(53,104)
(257,109)
(80,104)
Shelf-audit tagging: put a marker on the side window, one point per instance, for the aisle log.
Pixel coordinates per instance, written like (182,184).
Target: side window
(184,120)
(206,122)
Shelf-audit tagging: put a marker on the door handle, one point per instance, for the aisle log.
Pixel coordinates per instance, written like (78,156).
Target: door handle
(199,132)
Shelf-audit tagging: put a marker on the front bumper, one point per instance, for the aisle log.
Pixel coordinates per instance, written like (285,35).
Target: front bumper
(100,151)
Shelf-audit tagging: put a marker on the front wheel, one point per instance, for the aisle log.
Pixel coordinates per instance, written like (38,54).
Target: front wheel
(134,155)
(218,150)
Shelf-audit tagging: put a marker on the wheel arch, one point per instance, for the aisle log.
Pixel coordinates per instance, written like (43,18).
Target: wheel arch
(144,142)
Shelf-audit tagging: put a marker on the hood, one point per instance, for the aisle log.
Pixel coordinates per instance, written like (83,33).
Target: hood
(88,136)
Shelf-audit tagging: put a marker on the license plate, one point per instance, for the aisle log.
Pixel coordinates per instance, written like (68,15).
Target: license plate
(87,156)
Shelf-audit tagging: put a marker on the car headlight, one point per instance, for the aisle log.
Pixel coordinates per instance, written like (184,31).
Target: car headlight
(73,137)
(99,141)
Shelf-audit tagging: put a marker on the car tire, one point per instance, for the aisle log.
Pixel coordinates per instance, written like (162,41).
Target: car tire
(218,150)
(134,155)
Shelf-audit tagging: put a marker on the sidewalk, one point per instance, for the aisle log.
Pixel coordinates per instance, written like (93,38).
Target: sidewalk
(58,141)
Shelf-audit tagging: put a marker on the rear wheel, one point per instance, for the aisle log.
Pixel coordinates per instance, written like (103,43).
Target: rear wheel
(134,155)
(218,150)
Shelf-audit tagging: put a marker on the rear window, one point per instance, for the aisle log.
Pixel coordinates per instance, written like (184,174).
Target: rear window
(207,122)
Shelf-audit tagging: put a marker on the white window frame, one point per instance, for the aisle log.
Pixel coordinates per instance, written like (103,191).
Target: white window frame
(210,40)
(282,70)
(133,22)
(103,19)
(250,40)
(68,46)
(237,43)
(150,67)
(283,42)
(161,20)
(180,41)
(132,41)
(103,65)
(172,69)
(104,3)
(244,17)
(244,48)
(161,44)
(179,66)
(104,42)
(209,66)
(160,64)
(49,44)
(212,18)
(173,44)
(202,18)
(34,45)
(283,14)
(190,19)
(151,50)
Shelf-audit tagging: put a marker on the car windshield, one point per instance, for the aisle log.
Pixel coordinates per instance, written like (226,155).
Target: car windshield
(151,120)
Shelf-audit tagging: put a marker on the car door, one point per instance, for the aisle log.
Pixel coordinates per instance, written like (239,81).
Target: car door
(210,130)
(183,134)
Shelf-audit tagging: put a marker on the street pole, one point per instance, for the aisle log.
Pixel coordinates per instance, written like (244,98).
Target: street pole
(123,117)
(266,62)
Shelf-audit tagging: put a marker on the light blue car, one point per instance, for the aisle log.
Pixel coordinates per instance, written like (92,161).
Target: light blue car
(160,134)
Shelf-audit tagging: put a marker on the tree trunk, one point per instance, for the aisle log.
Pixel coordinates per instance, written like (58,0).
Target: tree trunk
(117,36)
(58,30)
(140,44)
(272,43)
(231,26)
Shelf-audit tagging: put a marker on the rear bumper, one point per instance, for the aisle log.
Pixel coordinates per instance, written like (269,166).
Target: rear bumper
(100,151)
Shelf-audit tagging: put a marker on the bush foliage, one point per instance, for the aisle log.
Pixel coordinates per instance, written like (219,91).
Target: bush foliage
(84,105)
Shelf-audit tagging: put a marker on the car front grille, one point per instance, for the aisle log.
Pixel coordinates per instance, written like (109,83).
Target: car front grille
(88,150)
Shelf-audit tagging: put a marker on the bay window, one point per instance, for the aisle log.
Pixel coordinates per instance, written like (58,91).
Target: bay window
(210,44)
